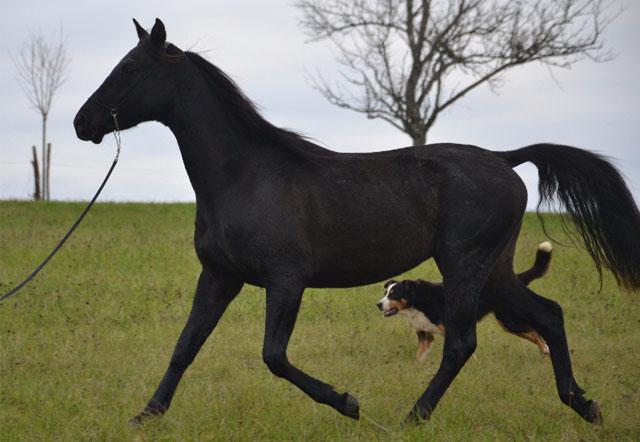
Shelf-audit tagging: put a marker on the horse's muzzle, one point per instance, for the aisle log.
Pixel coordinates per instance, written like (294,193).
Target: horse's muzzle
(83,129)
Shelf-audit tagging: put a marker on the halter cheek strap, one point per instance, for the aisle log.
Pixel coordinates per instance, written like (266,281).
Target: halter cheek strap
(114,110)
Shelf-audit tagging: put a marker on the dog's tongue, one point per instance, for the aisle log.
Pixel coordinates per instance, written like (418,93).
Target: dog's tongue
(391,312)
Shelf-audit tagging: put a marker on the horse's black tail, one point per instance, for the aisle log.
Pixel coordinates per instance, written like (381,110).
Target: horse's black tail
(598,200)
(540,266)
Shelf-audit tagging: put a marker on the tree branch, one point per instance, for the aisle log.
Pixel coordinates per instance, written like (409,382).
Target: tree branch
(400,58)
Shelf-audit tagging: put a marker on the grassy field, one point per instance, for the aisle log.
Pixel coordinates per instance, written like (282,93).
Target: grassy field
(84,345)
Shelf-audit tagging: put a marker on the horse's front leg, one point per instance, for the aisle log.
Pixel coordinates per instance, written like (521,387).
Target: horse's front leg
(283,303)
(213,295)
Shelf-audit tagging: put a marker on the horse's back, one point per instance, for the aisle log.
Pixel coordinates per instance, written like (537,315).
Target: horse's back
(380,214)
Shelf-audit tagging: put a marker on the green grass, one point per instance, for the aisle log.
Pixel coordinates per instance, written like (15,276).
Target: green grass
(84,345)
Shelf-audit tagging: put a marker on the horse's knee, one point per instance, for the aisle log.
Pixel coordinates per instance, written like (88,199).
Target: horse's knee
(457,353)
(276,361)
(468,348)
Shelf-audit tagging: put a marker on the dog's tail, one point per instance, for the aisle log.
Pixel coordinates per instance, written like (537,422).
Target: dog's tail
(540,266)
(597,199)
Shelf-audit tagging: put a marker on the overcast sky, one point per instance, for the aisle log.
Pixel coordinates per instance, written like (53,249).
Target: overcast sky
(259,44)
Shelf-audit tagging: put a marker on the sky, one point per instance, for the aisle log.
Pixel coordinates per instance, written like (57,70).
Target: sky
(260,45)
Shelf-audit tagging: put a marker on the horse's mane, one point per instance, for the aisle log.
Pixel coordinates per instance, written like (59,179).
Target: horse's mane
(243,115)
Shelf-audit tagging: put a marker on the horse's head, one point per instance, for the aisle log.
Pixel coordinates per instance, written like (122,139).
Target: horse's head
(138,89)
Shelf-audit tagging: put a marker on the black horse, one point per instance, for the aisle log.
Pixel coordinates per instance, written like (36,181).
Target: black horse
(277,211)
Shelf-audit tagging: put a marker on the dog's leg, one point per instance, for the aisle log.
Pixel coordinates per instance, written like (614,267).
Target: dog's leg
(534,337)
(525,332)
(425,339)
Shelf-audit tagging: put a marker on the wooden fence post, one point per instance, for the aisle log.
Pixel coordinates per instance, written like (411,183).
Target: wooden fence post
(36,175)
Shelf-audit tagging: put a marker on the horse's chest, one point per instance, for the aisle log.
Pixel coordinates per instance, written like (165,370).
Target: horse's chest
(234,249)
(211,248)
(420,321)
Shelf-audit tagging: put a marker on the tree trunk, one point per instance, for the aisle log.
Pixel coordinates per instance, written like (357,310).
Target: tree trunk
(418,139)
(44,156)
(36,175)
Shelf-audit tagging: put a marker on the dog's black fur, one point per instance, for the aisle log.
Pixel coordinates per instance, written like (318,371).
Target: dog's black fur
(428,298)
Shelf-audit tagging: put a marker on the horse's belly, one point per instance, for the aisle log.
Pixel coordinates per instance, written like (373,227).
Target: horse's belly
(354,264)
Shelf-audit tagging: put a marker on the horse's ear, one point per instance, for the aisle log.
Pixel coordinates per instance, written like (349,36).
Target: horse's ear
(140,30)
(158,34)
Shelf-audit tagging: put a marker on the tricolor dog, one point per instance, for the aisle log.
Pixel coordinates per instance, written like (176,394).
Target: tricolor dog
(423,303)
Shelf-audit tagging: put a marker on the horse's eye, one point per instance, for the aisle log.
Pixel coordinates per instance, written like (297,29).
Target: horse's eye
(129,68)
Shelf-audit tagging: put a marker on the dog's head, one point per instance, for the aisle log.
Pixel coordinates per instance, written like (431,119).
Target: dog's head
(398,296)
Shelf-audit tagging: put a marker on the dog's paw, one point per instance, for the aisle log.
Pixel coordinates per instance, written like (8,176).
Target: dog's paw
(544,350)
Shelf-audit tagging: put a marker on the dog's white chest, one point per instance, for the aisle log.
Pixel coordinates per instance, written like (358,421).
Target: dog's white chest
(419,321)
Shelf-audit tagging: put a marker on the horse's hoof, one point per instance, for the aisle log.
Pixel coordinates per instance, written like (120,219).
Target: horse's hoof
(144,415)
(135,422)
(351,408)
(594,415)
(416,417)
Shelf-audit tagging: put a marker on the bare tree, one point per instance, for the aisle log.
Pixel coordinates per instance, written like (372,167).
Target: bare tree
(42,66)
(407,61)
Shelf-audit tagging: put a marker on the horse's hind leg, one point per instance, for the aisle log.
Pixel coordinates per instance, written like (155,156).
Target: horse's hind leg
(213,295)
(547,319)
(472,237)
(283,303)
(463,282)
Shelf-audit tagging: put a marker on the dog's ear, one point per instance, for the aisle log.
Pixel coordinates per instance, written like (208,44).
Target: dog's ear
(388,283)
(418,289)
(410,292)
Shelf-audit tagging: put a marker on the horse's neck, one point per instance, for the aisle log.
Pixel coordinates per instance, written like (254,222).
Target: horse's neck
(202,153)
(208,147)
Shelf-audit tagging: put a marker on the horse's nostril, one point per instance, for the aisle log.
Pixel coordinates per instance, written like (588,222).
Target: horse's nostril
(79,121)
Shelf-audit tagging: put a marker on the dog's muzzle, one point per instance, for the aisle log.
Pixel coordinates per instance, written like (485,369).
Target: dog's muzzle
(383,306)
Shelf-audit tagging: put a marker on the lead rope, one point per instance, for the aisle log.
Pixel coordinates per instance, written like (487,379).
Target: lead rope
(116,135)
(374,423)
